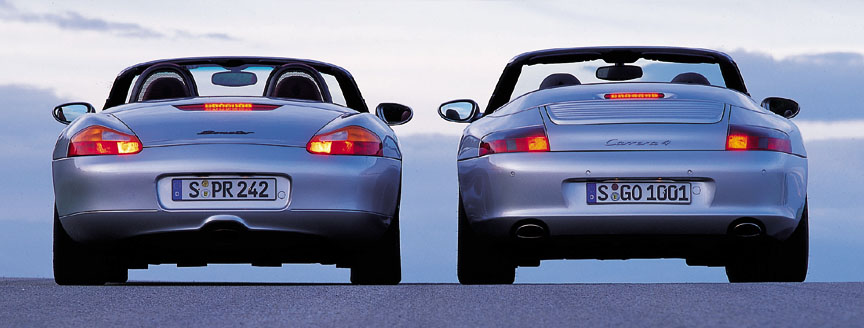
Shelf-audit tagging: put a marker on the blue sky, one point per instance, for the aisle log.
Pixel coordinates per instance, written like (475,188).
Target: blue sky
(421,54)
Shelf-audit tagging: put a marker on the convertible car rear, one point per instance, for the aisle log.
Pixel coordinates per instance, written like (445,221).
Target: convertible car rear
(630,152)
(227,160)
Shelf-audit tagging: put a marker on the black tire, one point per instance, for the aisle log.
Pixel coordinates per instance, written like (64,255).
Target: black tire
(785,261)
(76,264)
(117,274)
(381,262)
(73,265)
(479,262)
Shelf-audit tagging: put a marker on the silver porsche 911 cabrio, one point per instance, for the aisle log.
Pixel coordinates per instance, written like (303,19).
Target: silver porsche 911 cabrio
(630,152)
(227,160)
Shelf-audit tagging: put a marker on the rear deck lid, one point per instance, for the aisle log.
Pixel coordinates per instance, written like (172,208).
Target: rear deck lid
(618,125)
(286,125)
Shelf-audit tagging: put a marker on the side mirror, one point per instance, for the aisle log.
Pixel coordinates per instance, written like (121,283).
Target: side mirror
(66,113)
(394,114)
(460,111)
(619,72)
(787,108)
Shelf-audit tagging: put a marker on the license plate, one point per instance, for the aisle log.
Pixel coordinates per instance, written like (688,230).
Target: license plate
(223,189)
(638,193)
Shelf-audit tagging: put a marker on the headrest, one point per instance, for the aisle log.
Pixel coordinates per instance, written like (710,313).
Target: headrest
(452,114)
(559,80)
(691,78)
(297,81)
(164,87)
(164,81)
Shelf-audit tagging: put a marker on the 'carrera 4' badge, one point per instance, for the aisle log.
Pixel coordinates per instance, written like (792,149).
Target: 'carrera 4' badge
(224,132)
(616,142)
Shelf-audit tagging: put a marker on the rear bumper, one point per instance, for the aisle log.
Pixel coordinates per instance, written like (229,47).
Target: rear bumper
(502,189)
(110,198)
(335,226)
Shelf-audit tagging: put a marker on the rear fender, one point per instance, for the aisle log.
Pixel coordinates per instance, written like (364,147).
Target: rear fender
(744,116)
(371,122)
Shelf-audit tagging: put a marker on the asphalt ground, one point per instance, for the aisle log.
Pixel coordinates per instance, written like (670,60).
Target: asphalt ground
(39,302)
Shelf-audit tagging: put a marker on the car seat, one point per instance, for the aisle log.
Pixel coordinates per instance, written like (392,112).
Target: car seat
(297,81)
(164,81)
(558,80)
(691,78)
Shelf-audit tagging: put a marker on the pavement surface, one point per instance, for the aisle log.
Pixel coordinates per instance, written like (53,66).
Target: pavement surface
(39,302)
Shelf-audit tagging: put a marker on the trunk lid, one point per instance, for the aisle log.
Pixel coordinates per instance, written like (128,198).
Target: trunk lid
(630,125)
(292,124)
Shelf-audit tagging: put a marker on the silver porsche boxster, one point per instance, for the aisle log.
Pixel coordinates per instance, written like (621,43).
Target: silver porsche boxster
(227,160)
(630,152)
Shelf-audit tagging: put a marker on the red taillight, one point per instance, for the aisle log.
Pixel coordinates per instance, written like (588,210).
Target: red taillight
(634,95)
(350,140)
(757,138)
(530,139)
(226,107)
(99,140)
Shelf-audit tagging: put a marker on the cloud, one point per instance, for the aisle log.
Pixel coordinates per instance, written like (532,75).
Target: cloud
(71,20)
(26,141)
(188,35)
(826,85)
(831,130)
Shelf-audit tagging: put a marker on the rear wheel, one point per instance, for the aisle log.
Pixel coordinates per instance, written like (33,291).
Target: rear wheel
(785,261)
(117,274)
(479,261)
(381,262)
(77,264)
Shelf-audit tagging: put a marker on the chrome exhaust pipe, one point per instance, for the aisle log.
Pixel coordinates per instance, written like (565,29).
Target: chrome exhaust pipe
(746,229)
(530,231)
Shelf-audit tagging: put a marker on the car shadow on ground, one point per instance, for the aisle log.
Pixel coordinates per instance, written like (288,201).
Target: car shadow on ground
(185,283)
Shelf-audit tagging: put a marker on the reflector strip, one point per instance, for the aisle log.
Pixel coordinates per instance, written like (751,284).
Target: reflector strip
(227,107)
(634,95)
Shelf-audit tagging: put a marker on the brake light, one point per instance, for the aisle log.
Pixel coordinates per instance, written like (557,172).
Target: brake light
(742,137)
(226,107)
(634,95)
(99,140)
(350,140)
(530,139)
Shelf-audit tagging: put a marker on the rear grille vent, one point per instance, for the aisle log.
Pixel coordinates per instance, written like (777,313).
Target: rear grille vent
(636,111)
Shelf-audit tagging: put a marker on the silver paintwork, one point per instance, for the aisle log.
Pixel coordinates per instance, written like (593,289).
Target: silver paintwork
(499,190)
(110,198)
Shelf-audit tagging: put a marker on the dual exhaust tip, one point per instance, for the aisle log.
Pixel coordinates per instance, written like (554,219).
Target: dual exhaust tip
(746,230)
(529,231)
(537,231)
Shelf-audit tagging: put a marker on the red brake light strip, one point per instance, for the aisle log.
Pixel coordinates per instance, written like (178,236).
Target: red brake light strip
(227,107)
(634,95)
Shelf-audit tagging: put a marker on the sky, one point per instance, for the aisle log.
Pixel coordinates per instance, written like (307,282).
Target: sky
(422,53)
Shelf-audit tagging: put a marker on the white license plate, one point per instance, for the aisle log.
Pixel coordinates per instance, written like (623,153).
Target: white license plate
(638,193)
(224,189)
